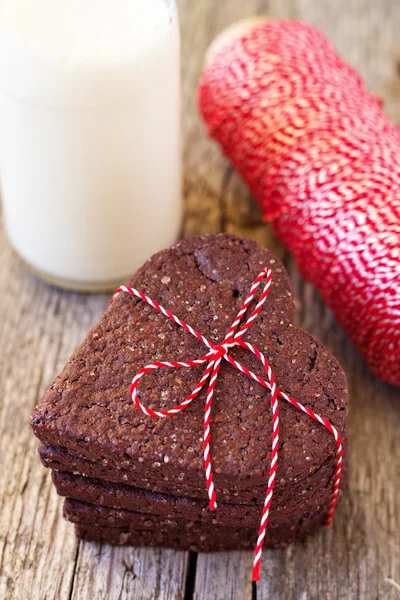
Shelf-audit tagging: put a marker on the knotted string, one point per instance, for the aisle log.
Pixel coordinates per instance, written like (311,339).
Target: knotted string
(233,337)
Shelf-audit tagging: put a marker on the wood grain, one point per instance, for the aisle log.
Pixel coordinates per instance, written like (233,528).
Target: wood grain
(40,327)
(125,573)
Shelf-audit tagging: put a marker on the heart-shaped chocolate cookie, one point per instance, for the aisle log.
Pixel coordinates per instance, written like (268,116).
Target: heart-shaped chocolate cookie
(88,424)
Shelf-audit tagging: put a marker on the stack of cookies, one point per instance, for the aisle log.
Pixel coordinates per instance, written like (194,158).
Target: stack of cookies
(131,479)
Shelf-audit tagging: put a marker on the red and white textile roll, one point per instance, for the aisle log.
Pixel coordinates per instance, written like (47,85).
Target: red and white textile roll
(323,162)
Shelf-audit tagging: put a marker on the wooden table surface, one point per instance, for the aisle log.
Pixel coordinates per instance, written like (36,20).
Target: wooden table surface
(359,557)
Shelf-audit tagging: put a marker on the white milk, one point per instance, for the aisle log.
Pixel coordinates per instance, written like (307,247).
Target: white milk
(90,135)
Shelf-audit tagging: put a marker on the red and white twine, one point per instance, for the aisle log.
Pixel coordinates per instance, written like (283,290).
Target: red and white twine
(323,162)
(233,337)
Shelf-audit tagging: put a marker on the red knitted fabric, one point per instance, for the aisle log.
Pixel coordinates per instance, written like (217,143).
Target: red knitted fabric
(323,162)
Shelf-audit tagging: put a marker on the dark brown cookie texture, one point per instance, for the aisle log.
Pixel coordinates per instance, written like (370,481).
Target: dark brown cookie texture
(197,538)
(127,498)
(89,426)
(60,461)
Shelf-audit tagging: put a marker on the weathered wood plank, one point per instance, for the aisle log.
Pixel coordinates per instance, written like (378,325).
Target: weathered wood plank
(125,573)
(40,327)
(212,203)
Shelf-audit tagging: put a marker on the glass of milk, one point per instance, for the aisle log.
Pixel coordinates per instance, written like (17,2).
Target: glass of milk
(90,161)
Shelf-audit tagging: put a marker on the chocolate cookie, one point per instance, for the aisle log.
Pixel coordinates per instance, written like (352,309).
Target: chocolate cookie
(117,496)
(61,462)
(88,413)
(198,539)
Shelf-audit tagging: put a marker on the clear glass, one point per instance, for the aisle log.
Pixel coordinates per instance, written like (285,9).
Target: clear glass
(90,157)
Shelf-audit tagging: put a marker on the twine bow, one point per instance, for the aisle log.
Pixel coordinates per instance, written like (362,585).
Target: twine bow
(234,337)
